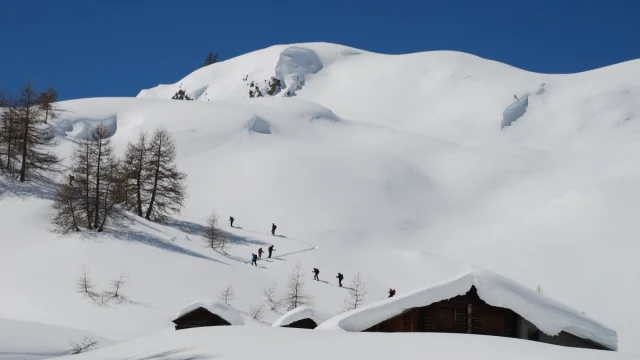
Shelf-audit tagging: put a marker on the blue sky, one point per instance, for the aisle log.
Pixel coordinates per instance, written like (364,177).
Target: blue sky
(90,48)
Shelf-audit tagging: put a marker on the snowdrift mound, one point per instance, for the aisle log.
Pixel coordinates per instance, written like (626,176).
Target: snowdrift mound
(24,340)
(294,66)
(515,111)
(260,126)
(291,64)
(240,343)
(548,315)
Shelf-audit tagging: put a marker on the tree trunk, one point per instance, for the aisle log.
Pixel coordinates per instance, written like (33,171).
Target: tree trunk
(106,205)
(97,206)
(73,213)
(155,182)
(23,168)
(10,140)
(139,181)
(87,195)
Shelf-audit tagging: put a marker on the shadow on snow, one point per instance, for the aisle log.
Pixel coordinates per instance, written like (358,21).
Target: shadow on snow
(171,355)
(197,229)
(38,186)
(128,234)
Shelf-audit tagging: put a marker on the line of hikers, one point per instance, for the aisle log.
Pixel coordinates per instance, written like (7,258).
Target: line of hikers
(340,277)
(273,226)
(271,249)
(254,257)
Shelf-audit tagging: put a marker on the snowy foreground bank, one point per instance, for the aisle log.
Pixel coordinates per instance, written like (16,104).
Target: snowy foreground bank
(25,340)
(231,342)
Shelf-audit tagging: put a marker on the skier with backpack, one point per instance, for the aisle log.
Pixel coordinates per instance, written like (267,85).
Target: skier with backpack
(340,278)
(315,274)
(392,292)
(273,228)
(231,219)
(260,253)
(254,259)
(271,249)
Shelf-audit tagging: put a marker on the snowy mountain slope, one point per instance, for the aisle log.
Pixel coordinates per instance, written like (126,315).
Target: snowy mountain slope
(281,343)
(394,166)
(443,92)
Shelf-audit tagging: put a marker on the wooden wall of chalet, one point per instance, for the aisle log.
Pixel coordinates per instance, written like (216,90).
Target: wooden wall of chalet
(461,314)
(199,318)
(303,324)
(470,314)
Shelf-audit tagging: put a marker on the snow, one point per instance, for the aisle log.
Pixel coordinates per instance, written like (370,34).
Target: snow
(297,314)
(245,343)
(515,111)
(23,340)
(223,310)
(294,66)
(391,166)
(548,315)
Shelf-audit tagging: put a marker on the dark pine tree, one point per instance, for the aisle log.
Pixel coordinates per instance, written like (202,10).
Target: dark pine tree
(212,58)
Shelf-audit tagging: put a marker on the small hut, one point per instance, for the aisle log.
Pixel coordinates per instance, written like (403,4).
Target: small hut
(483,303)
(207,313)
(302,317)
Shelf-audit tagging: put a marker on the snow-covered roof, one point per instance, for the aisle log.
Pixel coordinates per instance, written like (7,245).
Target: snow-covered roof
(223,310)
(548,315)
(299,313)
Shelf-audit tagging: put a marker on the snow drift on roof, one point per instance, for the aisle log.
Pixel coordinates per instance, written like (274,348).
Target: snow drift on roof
(548,315)
(299,313)
(225,311)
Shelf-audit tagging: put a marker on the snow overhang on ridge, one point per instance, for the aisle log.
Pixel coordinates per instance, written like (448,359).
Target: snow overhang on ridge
(225,311)
(297,314)
(549,316)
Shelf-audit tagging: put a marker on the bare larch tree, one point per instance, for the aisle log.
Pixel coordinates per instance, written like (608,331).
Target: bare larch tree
(101,158)
(36,140)
(87,344)
(227,294)
(109,199)
(95,182)
(212,58)
(270,294)
(296,295)
(214,237)
(356,294)
(64,205)
(87,289)
(9,135)
(134,165)
(46,102)
(115,293)
(168,189)
(256,312)
(84,177)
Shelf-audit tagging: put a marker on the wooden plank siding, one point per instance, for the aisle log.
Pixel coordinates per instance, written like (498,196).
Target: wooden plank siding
(199,318)
(470,314)
(461,314)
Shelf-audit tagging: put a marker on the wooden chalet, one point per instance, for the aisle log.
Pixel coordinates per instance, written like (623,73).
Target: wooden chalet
(303,324)
(471,315)
(198,318)
(303,317)
(482,303)
(207,313)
